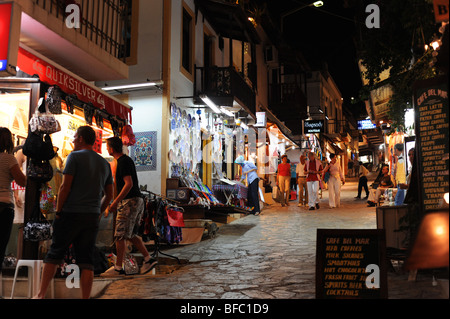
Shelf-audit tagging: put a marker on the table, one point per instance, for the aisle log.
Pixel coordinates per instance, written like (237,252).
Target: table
(230,192)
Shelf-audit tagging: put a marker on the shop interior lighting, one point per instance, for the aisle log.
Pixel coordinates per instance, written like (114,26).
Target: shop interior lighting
(211,104)
(131,86)
(226,112)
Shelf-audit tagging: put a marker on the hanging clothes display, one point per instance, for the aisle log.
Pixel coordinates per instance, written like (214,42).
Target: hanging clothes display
(161,219)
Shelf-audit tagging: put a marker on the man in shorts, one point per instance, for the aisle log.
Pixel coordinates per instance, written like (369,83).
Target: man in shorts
(87,176)
(129,206)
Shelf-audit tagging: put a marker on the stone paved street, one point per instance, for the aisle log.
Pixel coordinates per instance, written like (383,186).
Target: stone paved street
(271,256)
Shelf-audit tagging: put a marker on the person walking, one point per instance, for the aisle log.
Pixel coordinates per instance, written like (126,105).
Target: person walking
(334,183)
(301,178)
(86,177)
(249,170)
(284,180)
(129,206)
(363,172)
(9,171)
(313,169)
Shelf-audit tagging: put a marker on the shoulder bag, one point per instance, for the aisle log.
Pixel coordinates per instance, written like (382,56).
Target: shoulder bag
(38,228)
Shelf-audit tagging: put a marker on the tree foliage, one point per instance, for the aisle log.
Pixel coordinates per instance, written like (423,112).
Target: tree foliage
(398,46)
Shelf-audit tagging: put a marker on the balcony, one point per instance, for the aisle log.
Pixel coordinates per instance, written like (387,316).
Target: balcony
(288,103)
(95,51)
(225,87)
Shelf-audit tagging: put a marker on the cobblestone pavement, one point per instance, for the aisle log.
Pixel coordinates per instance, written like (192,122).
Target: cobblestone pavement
(271,256)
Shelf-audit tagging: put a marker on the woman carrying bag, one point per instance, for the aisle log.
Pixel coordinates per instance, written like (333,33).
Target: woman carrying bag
(9,171)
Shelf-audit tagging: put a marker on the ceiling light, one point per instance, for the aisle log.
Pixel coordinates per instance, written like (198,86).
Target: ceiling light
(210,103)
(226,112)
(131,86)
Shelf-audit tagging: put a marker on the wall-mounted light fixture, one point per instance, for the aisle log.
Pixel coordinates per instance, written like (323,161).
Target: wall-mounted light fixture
(210,103)
(132,86)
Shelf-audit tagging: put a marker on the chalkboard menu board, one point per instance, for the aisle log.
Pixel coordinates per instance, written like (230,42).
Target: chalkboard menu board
(351,264)
(432,132)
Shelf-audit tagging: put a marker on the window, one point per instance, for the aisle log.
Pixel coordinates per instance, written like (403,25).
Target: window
(131,31)
(187,42)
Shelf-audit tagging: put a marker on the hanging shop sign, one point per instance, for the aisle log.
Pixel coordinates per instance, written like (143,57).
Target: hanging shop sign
(432,141)
(366,125)
(9,38)
(261,119)
(314,126)
(351,264)
(440,10)
(71,84)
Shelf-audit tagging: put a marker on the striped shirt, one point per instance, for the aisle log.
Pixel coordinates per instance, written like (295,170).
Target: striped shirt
(7,161)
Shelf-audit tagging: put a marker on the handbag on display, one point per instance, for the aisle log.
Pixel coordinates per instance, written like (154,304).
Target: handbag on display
(53,100)
(38,147)
(41,171)
(47,201)
(44,122)
(37,228)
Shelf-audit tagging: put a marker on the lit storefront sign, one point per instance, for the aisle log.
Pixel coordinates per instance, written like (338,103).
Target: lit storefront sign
(261,120)
(9,38)
(314,126)
(366,125)
(71,84)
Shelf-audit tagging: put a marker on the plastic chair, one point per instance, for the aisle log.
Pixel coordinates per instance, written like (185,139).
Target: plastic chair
(35,274)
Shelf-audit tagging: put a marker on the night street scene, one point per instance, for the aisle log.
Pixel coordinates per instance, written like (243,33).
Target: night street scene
(224,158)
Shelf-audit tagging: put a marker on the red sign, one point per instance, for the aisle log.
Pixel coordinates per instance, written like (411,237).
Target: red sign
(5,30)
(71,84)
(441,10)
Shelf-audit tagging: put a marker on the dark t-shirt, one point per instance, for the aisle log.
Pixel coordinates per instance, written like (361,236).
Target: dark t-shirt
(91,173)
(386,181)
(126,167)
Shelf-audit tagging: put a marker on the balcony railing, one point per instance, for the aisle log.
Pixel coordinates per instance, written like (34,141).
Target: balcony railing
(103,22)
(224,85)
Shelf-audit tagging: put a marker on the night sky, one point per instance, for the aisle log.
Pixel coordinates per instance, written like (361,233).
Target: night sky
(325,34)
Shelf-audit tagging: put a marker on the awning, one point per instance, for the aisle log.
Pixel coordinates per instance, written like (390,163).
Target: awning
(49,72)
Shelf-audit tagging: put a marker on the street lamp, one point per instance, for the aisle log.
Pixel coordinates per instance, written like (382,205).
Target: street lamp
(316,4)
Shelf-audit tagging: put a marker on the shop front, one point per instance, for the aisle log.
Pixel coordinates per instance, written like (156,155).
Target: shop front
(38,82)
(203,178)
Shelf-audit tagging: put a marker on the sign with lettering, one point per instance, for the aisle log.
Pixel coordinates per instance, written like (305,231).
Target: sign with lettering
(432,142)
(260,119)
(351,264)
(440,10)
(71,84)
(9,38)
(366,125)
(314,126)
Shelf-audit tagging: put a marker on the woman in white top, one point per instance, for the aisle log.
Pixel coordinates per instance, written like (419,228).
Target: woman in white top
(9,171)
(334,183)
